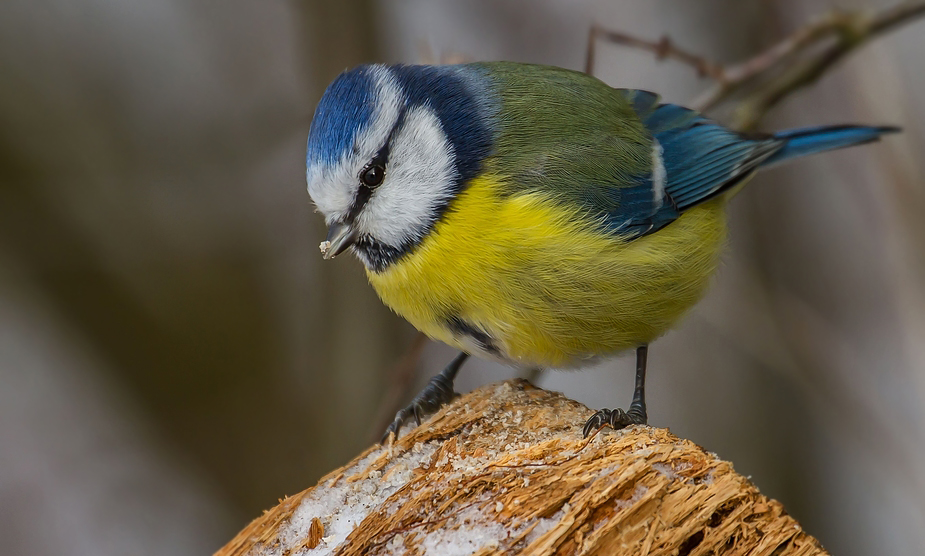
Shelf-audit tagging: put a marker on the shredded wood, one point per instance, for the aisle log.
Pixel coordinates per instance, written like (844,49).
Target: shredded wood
(504,470)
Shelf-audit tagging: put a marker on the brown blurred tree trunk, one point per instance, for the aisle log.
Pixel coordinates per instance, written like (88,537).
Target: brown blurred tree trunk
(354,337)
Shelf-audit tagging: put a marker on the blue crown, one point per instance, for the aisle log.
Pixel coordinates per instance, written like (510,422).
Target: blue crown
(344,110)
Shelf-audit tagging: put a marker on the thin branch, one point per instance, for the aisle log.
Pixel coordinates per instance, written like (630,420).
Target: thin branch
(663,49)
(735,77)
(849,31)
(897,15)
(775,73)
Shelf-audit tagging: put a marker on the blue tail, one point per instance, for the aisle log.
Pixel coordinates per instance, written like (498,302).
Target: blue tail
(701,159)
(812,140)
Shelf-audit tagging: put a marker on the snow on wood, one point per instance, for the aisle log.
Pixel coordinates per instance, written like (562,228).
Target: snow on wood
(504,469)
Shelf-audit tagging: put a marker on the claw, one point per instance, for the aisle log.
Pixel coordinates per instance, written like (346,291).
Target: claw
(616,418)
(595,422)
(438,392)
(400,418)
(433,397)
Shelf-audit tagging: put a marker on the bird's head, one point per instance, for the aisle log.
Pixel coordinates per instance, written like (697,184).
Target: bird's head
(388,150)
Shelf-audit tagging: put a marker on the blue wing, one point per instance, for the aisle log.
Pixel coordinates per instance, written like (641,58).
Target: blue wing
(694,159)
(701,159)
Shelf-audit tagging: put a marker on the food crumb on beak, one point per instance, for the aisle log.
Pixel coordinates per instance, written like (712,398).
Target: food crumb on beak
(325,245)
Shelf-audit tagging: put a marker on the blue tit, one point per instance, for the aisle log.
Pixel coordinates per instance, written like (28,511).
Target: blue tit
(531,214)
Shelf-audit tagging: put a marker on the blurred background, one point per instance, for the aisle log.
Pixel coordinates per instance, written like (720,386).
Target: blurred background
(175,356)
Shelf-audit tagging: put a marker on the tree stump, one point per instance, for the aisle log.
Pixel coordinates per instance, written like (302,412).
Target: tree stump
(504,470)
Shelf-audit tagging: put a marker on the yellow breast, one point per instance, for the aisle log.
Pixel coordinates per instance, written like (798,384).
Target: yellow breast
(544,283)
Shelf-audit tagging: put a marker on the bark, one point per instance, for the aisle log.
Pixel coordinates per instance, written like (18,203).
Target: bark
(504,469)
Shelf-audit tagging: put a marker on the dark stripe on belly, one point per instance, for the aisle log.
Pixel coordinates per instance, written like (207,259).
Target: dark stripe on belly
(482,339)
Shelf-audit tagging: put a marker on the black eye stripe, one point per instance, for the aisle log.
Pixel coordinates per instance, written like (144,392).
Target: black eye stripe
(362,197)
(380,159)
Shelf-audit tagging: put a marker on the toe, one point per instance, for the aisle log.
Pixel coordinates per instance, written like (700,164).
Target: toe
(618,419)
(595,422)
(400,419)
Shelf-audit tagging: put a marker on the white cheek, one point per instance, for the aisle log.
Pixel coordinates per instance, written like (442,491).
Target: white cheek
(420,178)
(333,188)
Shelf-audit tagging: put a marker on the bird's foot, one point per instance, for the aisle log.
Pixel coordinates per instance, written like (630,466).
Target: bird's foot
(616,418)
(438,392)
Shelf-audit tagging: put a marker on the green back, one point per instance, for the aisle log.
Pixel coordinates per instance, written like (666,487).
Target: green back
(568,134)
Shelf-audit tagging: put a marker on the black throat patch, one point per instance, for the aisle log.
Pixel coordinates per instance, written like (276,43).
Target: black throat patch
(450,92)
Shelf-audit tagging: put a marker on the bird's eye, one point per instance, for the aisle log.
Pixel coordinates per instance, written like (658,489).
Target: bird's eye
(373,175)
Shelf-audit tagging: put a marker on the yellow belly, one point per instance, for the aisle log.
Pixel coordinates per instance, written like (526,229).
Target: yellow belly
(544,283)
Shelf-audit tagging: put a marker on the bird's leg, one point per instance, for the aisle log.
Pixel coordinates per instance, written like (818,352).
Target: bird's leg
(439,391)
(636,415)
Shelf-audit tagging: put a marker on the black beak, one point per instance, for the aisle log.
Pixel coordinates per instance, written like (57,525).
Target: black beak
(340,237)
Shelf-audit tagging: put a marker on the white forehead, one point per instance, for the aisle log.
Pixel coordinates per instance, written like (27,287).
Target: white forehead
(332,186)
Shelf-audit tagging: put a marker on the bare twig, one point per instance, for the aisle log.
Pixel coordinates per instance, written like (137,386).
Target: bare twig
(772,75)
(663,48)
(845,31)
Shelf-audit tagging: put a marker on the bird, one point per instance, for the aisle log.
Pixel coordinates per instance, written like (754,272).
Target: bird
(531,214)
